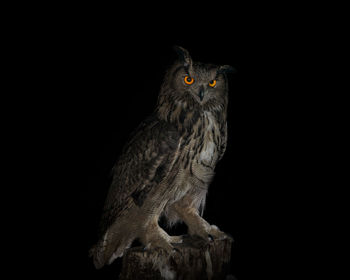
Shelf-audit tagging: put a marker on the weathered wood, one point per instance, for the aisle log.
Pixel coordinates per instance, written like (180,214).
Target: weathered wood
(193,259)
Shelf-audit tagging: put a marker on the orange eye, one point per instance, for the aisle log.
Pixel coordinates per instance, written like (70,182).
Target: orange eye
(212,83)
(189,80)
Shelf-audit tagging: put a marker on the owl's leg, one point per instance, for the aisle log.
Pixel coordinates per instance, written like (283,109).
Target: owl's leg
(154,236)
(200,227)
(196,224)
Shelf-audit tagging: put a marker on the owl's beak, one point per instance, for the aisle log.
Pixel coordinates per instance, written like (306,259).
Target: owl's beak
(201,93)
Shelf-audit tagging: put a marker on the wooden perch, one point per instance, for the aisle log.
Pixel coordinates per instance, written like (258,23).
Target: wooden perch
(193,259)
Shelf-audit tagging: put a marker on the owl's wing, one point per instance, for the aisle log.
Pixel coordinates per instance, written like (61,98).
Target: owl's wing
(223,144)
(144,162)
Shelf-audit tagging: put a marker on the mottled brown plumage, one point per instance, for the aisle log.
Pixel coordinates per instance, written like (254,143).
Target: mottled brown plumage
(167,166)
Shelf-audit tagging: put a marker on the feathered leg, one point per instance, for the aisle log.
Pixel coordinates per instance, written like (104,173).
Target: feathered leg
(154,236)
(187,212)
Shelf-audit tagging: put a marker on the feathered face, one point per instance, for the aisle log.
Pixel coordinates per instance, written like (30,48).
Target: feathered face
(201,81)
(190,86)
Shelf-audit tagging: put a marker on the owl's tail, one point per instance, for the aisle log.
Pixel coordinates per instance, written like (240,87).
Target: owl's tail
(110,247)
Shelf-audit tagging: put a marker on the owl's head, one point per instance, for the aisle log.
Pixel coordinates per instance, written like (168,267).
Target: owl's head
(194,81)
(193,86)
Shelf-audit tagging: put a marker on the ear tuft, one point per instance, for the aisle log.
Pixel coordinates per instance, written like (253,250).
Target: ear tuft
(183,55)
(226,69)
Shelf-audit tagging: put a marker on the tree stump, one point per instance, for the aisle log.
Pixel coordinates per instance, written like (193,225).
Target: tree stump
(193,259)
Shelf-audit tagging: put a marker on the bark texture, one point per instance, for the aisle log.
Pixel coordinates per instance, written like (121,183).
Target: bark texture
(193,259)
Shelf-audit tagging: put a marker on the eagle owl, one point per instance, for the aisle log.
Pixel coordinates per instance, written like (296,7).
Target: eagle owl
(168,164)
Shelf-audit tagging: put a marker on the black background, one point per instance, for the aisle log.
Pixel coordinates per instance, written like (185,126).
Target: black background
(93,79)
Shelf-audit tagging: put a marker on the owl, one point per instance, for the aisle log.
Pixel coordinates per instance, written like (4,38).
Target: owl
(167,165)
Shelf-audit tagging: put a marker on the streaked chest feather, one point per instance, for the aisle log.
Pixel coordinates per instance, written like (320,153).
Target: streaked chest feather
(201,145)
(211,137)
(197,156)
